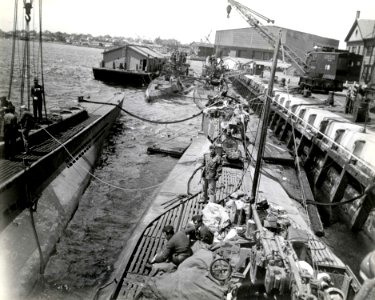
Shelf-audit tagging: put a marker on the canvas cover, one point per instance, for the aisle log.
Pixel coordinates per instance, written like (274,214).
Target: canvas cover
(190,281)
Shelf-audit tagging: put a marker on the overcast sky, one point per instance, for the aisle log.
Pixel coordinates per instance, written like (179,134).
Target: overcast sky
(190,20)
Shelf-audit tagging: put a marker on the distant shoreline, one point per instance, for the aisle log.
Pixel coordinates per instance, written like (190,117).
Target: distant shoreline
(63,43)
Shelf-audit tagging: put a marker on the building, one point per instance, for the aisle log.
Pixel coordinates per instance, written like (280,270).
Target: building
(248,43)
(361,40)
(202,49)
(235,63)
(133,57)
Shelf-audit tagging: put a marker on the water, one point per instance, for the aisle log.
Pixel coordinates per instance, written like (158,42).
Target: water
(106,216)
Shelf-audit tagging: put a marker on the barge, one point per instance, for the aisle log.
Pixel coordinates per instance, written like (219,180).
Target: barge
(131,64)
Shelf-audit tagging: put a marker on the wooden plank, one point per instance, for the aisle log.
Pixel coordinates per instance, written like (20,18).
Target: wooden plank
(312,210)
(136,255)
(156,231)
(146,256)
(140,257)
(185,215)
(158,246)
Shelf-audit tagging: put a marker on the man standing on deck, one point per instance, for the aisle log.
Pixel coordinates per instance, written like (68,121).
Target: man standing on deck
(211,172)
(26,123)
(10,133)
(177,248)
(37,96)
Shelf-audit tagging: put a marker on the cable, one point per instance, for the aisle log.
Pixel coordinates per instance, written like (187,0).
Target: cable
(102,181)
(31,210)
(144,119)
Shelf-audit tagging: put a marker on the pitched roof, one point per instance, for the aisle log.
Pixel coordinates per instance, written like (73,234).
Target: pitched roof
(366,28)
(142,49)
(146,51)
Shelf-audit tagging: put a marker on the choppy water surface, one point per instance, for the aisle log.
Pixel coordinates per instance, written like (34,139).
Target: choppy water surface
(106,216)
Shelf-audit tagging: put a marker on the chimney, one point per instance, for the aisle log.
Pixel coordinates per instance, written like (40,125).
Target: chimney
(357,14)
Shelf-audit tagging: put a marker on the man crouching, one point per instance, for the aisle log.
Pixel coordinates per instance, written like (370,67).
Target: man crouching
(177,248)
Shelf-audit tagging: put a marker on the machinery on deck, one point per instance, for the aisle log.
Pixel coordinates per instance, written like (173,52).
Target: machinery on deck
(323,69)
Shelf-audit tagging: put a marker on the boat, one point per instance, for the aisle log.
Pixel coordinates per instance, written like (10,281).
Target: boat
(130,64)
(40,189)
(164,87)
(174,79)
(265,222)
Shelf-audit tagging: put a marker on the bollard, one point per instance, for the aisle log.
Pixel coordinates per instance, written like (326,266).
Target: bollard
(330,99)
(306,93)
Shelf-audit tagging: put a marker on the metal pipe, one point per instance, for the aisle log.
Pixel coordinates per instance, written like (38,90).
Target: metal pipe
(263,136)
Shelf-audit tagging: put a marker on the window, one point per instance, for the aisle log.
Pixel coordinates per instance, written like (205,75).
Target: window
(358,147)
(369,51)
(311,119)
(338,137)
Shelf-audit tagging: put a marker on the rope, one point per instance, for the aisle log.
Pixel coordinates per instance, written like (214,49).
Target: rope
(13,49)
(144,119)
(102,181)
(31,210)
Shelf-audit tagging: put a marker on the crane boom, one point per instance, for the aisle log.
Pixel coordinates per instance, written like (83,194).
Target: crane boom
(248,13)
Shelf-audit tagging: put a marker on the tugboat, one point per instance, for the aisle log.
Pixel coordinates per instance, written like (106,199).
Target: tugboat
(174,79)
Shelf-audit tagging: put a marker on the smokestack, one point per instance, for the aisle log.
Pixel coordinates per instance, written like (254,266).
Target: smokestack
(357,14)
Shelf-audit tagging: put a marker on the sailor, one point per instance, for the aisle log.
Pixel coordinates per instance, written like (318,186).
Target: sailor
(367,273)
(199,232)
(211,172)
(177,248)
(350,97)
(26,123)
(10,133)
(37,96)
(241,119)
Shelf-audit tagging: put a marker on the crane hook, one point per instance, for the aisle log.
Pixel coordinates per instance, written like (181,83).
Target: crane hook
(28,6)
(229,9)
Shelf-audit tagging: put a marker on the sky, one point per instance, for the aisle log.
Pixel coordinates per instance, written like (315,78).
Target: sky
(190,20)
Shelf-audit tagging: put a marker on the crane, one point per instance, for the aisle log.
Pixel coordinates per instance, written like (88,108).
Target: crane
(248,15)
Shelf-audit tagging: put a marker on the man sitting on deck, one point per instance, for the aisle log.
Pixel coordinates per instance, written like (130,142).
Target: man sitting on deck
(177,248)
(199,232)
